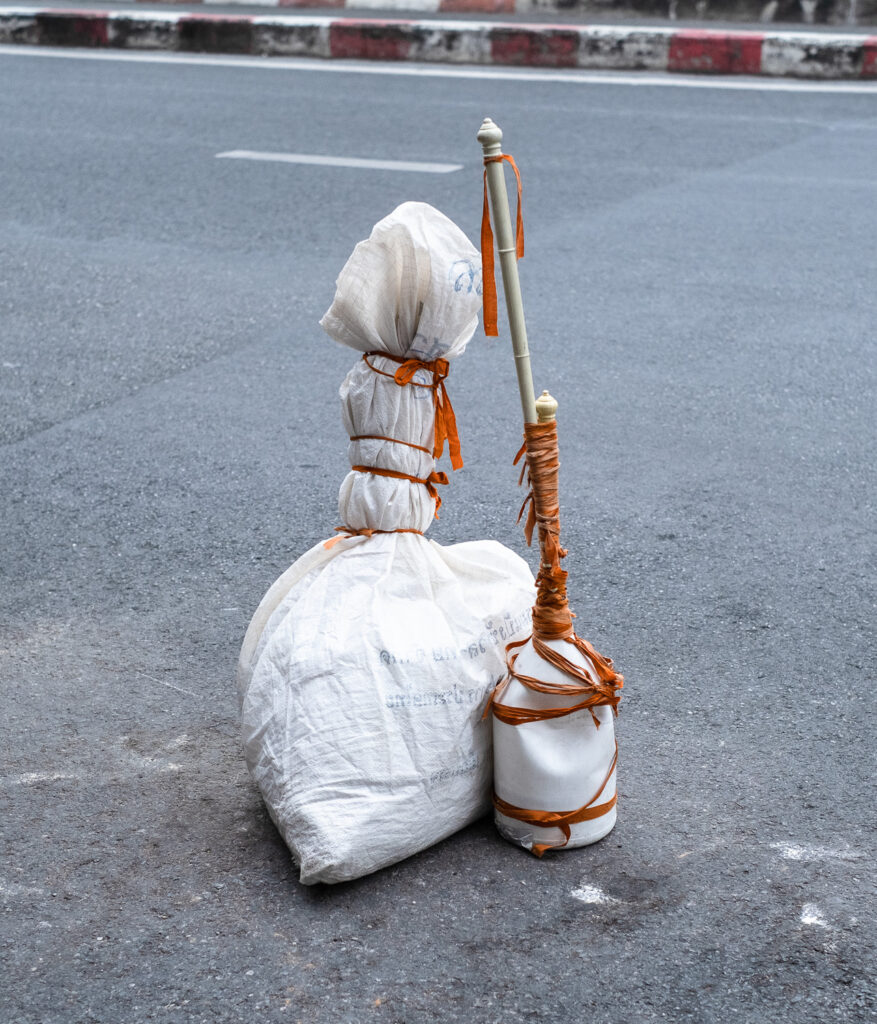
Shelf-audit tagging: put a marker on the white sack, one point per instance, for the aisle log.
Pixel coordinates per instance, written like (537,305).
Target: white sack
(367,666)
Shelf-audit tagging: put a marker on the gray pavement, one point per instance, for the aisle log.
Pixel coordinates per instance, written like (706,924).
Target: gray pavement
(699,290)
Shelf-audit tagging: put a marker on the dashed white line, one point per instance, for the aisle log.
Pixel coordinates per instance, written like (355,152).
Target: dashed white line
(361,163)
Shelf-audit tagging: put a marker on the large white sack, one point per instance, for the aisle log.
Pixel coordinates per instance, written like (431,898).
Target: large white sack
(367,666)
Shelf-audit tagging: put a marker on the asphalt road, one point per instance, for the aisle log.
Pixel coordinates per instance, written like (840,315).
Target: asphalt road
(699,284)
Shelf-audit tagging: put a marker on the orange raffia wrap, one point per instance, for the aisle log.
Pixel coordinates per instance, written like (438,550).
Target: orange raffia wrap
(488,261)
(541,753)
(587,688)
(445,430)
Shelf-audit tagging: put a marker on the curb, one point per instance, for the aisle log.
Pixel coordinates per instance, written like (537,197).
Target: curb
(830,12)
(796,55)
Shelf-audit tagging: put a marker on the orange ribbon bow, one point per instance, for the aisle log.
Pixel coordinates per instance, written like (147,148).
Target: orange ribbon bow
(445,420)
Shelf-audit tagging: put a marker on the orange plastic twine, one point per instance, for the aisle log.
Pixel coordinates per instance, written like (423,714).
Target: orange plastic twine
(561,819)
(347,531)
(445,420)
(445,430)
(488,268)
(552,620)
(428,482)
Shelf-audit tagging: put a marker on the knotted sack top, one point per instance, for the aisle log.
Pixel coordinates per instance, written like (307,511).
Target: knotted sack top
(408,299)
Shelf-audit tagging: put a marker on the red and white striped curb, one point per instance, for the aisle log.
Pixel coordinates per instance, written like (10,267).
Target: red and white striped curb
(406,6)
(800,54)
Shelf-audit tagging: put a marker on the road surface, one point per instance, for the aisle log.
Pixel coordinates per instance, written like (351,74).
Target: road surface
(699,286)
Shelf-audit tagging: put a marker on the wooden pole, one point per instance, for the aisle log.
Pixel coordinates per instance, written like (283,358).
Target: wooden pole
(490,137)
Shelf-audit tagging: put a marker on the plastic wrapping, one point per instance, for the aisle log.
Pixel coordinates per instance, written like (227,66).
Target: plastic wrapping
(367,666)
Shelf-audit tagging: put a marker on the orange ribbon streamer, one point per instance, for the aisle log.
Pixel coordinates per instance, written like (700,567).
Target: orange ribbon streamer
(445,420)
(488,269)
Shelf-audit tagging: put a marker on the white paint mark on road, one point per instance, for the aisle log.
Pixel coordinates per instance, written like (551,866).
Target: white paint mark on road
(345,67)
(811,915)
(170,686)
(178,742)
(430,6)
(16,889)
(794,851)
(360,163)
(33,778)
(591,894)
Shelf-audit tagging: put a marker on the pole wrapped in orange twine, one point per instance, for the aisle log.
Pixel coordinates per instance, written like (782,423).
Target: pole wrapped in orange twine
(552,620)
(597,682)
(488,263)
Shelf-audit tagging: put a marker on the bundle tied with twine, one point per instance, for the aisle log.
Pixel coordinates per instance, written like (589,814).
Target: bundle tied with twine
(552,616)
(594,682)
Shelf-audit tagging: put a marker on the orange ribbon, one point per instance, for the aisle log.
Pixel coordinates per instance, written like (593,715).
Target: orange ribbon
(445,420)
(347,531)
(603,692)
(560,819)
(394,440)
(488,270)
(428,482)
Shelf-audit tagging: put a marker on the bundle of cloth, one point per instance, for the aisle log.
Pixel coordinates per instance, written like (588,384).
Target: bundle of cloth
(367,667)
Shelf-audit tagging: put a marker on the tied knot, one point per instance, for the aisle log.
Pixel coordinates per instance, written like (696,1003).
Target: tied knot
(438,368)
(428,482)
(445,420)
(433,479)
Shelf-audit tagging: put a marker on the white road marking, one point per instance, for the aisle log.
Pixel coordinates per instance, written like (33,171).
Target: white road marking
(811,914)
(341,161)
(793,851)
(32,778)
(431,6)
(591,894)
(16,889)
(643,79)
(170,686)
(178,742)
